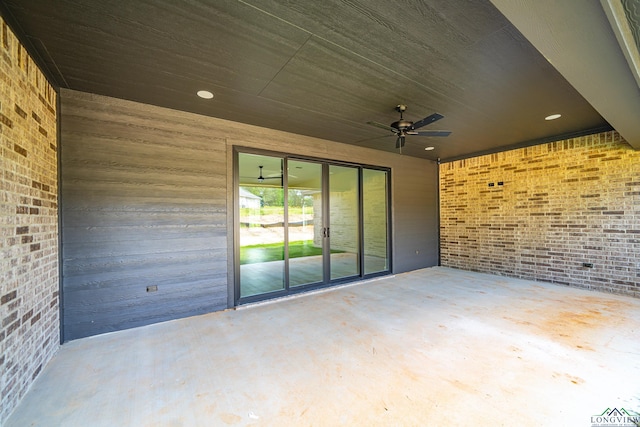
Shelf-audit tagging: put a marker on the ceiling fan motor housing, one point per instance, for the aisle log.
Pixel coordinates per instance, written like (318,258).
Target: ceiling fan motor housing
(402,125)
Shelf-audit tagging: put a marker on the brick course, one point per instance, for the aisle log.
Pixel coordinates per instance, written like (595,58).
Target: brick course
(29,310)
(543,212)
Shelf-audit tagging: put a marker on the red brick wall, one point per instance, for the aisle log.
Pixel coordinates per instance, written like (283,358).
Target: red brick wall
(29,328)
(551,208)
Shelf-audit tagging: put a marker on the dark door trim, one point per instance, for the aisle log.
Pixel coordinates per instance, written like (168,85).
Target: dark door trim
(327,282)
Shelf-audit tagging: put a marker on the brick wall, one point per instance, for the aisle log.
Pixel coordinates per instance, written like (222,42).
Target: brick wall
(542,212)
(29,328)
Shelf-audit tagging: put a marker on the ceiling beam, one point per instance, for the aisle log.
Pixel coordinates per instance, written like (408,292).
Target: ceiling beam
(577,39)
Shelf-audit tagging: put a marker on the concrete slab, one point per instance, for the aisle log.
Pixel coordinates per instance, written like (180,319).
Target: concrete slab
(431,347)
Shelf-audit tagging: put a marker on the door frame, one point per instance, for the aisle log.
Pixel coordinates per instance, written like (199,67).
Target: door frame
(327,283)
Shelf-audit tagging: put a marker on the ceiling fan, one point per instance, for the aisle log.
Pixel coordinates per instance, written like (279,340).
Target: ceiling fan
(271,176)
(263,176)
(403,127)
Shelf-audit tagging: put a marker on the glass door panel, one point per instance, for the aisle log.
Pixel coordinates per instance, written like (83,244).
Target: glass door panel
(344,221)
(305,225)
(375,227)
(261,233)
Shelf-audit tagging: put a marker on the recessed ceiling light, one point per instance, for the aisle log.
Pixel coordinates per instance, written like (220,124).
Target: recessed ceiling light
(553,117)
(205,94)
(429,148)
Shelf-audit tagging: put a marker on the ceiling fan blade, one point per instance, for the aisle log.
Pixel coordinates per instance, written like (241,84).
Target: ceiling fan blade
(382,126)
(427,120)
(433,133)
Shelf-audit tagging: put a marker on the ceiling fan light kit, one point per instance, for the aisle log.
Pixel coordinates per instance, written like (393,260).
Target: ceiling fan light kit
(403,127)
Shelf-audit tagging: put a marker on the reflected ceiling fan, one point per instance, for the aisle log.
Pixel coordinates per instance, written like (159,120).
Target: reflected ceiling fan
(403,127)
(261,178)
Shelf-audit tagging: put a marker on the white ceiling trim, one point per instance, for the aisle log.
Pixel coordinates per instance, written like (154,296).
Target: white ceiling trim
(618,20)
(576,38)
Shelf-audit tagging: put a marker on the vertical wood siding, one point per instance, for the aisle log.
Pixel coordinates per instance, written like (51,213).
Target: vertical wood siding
(143,204)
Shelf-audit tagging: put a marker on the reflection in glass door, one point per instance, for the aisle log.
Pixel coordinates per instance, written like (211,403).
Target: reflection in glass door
(375,226)
(305,225)
(344,221)
(261,231)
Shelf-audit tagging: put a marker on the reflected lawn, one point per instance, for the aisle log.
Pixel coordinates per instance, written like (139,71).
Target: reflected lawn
(275,251)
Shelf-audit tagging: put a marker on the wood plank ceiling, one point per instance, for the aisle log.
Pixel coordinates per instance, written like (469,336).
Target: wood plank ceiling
(318,68)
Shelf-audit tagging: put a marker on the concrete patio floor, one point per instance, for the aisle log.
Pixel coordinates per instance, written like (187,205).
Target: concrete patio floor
(432,347)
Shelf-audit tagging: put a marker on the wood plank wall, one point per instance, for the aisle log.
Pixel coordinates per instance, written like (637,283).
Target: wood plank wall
(147,199)
(143,204)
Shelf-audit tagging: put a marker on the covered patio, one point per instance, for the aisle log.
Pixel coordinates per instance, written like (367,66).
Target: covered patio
(436,346)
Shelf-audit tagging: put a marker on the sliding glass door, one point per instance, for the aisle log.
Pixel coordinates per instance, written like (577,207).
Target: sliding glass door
(375,207)
(261,227)
(344,221)
(304,223)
